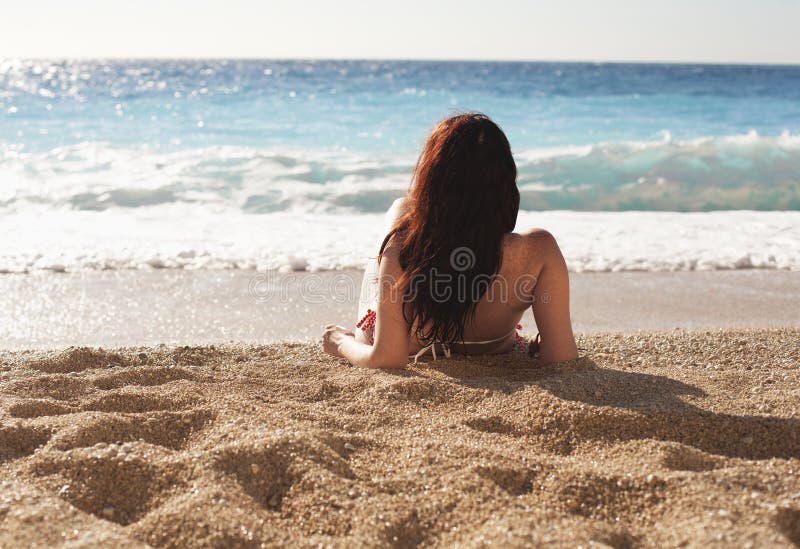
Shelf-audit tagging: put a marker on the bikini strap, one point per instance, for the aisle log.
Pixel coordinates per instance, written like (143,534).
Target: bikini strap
(432,349)
(495,340)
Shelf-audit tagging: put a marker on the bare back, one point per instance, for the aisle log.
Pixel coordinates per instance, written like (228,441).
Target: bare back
(532,274)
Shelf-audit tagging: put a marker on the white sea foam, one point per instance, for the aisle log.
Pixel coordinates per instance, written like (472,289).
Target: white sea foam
(198,237)
(745,171)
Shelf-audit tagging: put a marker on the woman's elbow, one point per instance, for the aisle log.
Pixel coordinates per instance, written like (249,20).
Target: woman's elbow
(565,354)
(388,362)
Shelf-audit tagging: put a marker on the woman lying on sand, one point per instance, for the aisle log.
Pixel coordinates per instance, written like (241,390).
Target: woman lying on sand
(451,274)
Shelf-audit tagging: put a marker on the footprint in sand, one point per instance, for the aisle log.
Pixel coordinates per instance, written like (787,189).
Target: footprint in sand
(170,430)
(56,386)
(267,470)
(145,376)
(76,359)
(120,483)
(18,441)
(605,497)
(138,401)
(32,408)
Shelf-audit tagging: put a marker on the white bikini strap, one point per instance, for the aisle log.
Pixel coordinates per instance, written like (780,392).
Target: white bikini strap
(432,349)
(495,340)
(446,348)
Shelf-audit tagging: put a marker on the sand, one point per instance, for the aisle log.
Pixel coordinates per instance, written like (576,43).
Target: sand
(665,438)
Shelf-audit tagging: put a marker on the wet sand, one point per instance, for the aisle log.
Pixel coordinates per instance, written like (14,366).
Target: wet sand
(116,308)
(665,438)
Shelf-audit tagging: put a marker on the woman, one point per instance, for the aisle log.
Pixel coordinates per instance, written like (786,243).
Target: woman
(451,274)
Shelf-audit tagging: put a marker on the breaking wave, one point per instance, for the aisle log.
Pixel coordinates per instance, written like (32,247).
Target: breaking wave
(735,172)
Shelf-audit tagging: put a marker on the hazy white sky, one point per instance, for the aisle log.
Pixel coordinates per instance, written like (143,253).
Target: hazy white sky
(746,31)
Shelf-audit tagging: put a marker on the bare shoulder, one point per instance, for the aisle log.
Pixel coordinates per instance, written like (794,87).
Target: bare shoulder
(389,261)
(397,210)
(529,250)
(535,242)
(540,238)
(400,204)
(392,249)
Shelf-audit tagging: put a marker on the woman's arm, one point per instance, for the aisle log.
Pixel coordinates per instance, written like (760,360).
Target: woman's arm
(390,349)
(551,299)
(369,282)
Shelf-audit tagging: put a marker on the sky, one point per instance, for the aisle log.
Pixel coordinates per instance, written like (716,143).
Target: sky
(732,31)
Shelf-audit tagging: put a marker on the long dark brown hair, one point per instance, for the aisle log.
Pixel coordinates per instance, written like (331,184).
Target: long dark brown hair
(462,201)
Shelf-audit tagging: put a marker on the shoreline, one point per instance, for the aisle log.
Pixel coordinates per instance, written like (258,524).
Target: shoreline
(183,307)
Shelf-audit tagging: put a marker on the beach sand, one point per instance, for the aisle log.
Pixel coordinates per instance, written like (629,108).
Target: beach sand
(664,438)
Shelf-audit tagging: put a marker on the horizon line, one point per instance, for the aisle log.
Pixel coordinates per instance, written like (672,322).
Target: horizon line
(403,59)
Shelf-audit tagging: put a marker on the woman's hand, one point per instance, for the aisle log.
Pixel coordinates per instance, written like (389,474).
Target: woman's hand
(333,338)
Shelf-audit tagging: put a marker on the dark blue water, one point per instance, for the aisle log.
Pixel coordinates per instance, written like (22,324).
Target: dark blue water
(366,105)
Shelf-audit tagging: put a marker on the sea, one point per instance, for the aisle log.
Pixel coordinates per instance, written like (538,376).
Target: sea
(290,164)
